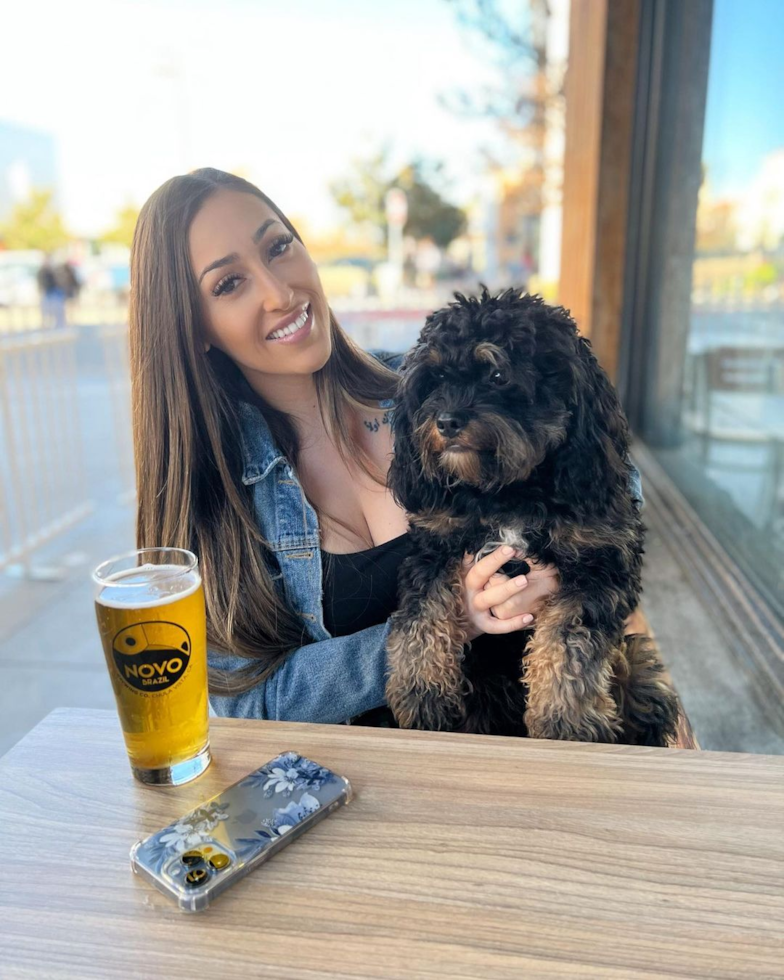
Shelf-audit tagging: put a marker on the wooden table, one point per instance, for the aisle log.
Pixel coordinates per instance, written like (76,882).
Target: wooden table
(461,856)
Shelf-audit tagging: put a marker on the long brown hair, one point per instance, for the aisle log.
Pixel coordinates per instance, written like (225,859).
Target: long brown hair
(186,432)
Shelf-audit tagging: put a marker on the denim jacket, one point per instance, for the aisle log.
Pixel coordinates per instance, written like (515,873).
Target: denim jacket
(331,679)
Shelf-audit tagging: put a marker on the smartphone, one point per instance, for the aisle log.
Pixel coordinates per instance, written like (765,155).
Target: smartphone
(200,855)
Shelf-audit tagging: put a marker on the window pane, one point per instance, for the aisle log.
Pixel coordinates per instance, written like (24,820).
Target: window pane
(730,460)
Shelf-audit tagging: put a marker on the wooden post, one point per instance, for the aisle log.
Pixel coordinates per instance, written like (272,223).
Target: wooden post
(600,90)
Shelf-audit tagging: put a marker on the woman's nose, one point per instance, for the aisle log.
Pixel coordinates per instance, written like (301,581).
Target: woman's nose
(276,294)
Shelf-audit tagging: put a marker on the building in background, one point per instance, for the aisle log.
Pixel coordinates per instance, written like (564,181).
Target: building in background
(27,160)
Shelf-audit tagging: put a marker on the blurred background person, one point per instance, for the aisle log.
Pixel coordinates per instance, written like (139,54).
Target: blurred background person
(53,295)
(68,283)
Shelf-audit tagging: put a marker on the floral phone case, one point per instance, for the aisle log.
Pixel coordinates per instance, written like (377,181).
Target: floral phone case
(196,858)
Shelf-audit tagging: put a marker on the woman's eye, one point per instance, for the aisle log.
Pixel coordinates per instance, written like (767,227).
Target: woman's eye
(227,285)
(498,378)
(280,245)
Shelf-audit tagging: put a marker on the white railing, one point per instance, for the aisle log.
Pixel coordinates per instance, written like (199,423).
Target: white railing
(20,319)
(95,310)
(114,340)
(42,483)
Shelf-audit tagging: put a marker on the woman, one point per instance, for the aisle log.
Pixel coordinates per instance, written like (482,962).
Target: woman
(262,443)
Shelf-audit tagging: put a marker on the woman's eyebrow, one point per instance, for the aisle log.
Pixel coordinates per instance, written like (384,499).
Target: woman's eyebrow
(259,233)
(218,263)
(257,237)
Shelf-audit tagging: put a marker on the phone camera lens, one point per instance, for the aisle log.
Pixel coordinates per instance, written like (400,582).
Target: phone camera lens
(220,861)
(196,877)
(190,858)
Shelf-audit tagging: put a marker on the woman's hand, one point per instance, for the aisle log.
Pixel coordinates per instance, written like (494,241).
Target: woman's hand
(496,604)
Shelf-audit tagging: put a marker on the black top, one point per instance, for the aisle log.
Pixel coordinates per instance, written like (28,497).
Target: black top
(360,589)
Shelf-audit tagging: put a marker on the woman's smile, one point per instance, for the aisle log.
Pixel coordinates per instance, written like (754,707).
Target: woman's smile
(296,327)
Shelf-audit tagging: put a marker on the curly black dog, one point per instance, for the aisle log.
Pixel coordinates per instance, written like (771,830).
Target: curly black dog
(507,431)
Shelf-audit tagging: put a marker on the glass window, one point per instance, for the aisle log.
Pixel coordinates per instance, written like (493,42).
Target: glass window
(728,457)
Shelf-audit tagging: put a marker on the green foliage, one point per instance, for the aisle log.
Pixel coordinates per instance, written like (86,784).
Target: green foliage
(429,215)
(511,36)
(35,224)
(363,191)
(121,233)
(765,274)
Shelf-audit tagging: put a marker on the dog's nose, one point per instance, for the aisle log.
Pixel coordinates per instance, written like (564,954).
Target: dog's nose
(449,425)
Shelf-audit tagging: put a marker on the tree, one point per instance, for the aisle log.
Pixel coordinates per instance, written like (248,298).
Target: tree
(528,105)
(35,224)
(362,191)
(517,47)
(121,233)
(429,215)
(362,194)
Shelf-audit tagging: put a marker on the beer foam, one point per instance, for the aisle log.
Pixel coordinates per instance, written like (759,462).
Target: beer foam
(148,585)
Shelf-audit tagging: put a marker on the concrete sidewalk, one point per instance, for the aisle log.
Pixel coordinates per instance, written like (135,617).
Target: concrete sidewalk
(50,654)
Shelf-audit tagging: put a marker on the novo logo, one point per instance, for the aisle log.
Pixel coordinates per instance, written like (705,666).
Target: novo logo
(153,656)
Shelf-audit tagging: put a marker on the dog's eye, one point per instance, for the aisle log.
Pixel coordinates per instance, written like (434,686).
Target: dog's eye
(498,378)
(439,374)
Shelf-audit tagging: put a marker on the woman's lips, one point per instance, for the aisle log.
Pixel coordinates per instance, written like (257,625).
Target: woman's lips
(298,335)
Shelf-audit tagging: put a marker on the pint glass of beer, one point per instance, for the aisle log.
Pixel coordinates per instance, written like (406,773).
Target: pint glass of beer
(150,610)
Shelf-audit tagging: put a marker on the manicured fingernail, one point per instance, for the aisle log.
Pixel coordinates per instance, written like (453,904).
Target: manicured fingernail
(528,619)
(506,550)
(520,581)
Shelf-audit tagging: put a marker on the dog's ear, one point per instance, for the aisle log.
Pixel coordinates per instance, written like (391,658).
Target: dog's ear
(410,487)
(592,465)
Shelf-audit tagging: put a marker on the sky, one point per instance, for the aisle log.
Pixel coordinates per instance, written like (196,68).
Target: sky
(285,93)
(288,92)
(745,108)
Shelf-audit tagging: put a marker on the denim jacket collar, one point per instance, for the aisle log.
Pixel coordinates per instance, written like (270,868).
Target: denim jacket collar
(259,453)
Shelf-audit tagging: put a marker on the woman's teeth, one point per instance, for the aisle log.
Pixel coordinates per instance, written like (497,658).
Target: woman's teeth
(292,327)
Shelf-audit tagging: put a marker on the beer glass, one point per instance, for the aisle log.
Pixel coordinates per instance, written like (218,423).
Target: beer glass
(151,617)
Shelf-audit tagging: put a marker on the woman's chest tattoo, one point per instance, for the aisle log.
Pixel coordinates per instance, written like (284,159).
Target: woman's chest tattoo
(375,425)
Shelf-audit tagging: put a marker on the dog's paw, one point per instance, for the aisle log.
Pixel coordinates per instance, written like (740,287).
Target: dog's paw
(580,727)
(428,709)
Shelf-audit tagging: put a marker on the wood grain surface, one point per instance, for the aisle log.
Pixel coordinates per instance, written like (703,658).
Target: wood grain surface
(460,856)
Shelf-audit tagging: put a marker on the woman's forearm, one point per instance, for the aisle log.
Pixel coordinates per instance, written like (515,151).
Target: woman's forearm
(324,683)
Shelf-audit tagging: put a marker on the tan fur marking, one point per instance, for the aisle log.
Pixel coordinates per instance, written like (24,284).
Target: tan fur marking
(563,702)
(439,522)
(490,354)
(579,539)
(641,687)
(466,466)
(431,443)
(514,451)
(426,687)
